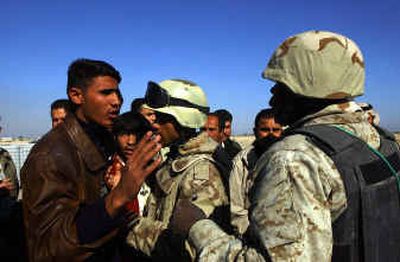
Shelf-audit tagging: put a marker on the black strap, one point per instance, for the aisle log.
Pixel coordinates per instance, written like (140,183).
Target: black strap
(329,139)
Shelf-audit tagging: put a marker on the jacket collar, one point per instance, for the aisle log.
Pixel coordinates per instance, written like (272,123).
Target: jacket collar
(91,155)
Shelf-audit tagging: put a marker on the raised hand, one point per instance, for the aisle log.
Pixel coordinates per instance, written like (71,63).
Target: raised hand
(142,162)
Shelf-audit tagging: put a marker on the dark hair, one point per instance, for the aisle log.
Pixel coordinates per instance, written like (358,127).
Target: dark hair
(221,122)
(61,103)
(224,115)
(82,71)
(264,113)
(137,104)
(131,123)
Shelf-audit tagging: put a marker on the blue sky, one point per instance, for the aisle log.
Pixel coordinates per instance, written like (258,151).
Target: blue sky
(223,45)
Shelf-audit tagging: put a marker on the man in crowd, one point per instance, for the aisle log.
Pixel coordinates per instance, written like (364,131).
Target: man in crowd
(230,146)
(59,110)
(68,214)
(266,131)
(328,189)
(138,105)
(214,127)
(9,185)
(128,129)
(11,233)
(189,173)
(8,175)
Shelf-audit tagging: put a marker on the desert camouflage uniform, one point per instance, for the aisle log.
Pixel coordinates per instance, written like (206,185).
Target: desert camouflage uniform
(297,196)
(397,137)
(239,185)
(192,175)
(8,170)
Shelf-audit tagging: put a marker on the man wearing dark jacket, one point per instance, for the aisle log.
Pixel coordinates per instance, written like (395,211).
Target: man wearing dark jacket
(230,146)
(68,214)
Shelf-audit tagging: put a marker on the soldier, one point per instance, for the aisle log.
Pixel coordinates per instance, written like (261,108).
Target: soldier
(327,190)
(266,131)
(11,233)
(188,173)
(8,175)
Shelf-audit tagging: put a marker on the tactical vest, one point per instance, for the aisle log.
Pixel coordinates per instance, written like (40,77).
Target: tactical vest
(369,229)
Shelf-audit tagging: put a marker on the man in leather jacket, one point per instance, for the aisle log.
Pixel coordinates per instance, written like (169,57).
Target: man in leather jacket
(68,214)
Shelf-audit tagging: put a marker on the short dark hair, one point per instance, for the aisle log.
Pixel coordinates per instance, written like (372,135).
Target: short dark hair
(61,103)
(82,71)
(221,122)
(264,113)
(131,123)
(136,104)
(224,115)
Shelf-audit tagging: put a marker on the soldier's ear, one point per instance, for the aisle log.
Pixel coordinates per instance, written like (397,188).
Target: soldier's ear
(75,94)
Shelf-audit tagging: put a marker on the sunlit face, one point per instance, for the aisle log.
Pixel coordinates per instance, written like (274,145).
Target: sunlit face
(227,130)
(149,114)
(99,102)
(57,116)
(267,127)
(212,128)
(127,143)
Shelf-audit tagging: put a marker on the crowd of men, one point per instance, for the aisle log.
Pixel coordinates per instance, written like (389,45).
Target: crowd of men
(165,180)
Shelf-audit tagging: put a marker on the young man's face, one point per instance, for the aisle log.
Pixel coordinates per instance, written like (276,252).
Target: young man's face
(212,128)
(267,127)
(100,102)
(127,143)
(57,116)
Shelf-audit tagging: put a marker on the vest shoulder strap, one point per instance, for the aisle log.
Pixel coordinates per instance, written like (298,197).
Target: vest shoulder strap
(328,138)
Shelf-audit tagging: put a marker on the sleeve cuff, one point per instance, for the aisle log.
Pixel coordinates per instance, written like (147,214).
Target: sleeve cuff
(204,232)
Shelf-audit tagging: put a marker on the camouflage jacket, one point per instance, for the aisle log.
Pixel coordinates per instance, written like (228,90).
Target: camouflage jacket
(191,175)
(298,193)
(239,185)
(8,170)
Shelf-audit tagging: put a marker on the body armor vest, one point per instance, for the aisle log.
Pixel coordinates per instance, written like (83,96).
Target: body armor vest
(368,230)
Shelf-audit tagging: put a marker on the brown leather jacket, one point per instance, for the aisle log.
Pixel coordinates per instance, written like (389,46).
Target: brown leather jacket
(63,171)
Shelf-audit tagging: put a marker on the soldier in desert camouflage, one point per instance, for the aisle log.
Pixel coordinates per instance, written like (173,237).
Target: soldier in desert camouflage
(189,173)
(300,208)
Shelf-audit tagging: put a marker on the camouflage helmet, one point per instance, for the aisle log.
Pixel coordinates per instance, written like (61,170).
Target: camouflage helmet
(318,64)
(182,99)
